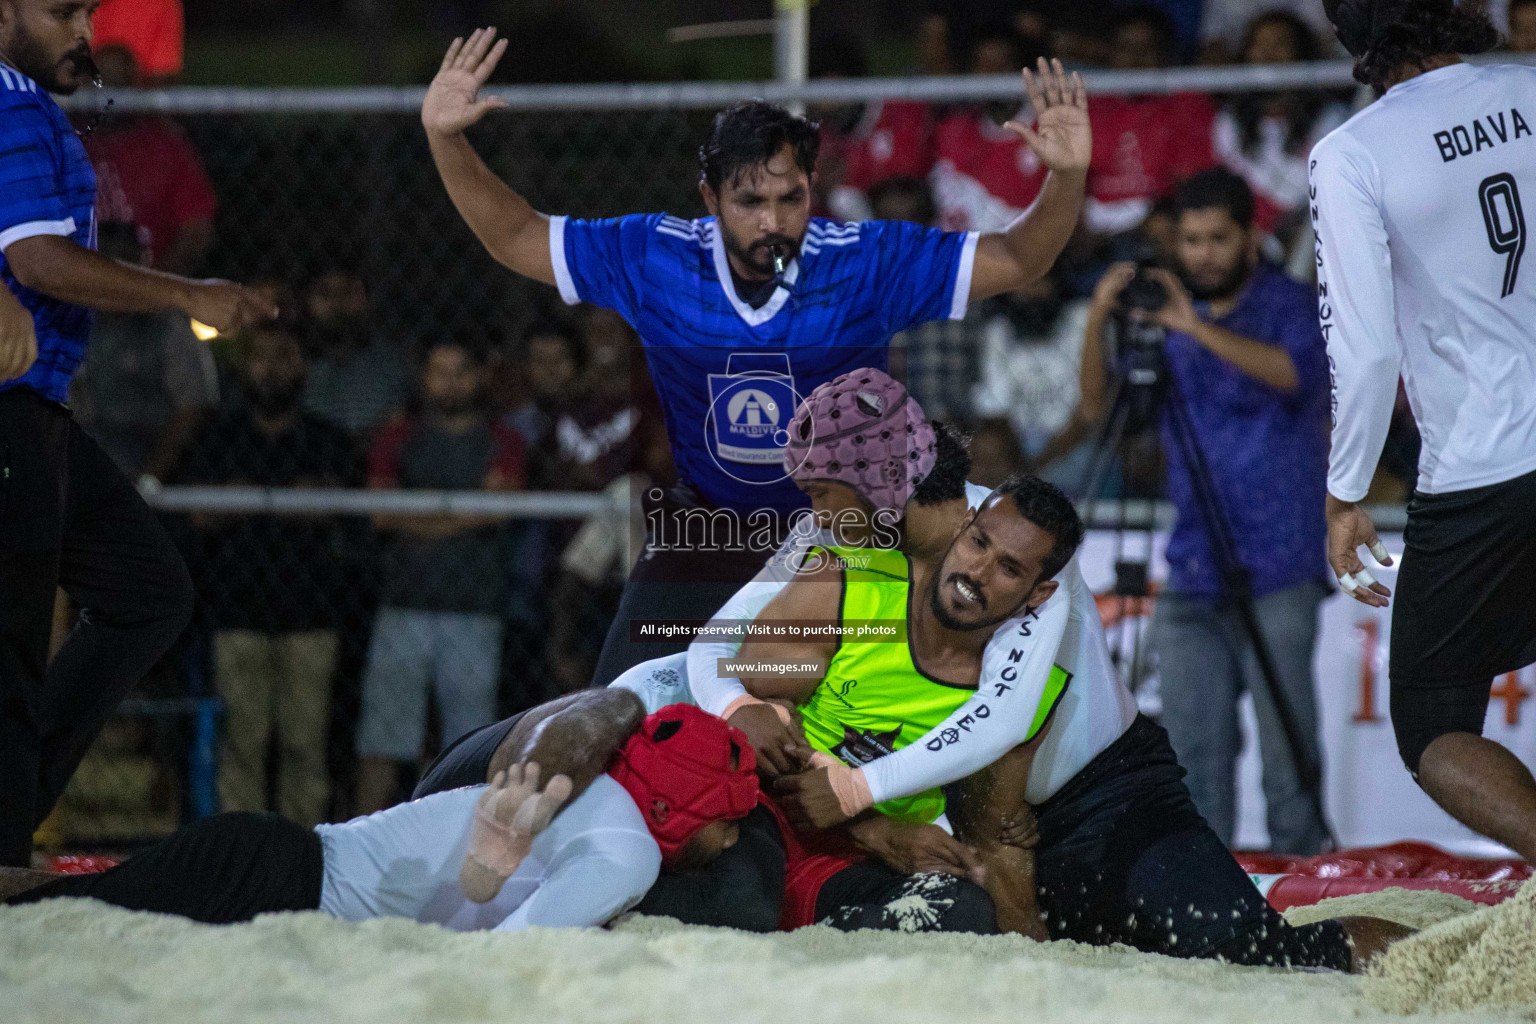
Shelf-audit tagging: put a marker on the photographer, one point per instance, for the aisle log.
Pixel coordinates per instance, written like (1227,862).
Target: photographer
(1243,353)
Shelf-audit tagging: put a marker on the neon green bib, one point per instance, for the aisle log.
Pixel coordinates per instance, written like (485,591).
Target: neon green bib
(874,700)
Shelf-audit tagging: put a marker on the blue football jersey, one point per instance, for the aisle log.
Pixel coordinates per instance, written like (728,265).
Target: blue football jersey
(730,377)
(47,187)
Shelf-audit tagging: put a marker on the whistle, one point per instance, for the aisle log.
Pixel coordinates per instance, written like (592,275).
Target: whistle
(778,259)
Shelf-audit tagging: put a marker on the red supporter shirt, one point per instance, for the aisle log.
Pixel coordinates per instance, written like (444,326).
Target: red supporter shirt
(147,173)
(1142,147)
(985,175)
(151,30)
(893,139)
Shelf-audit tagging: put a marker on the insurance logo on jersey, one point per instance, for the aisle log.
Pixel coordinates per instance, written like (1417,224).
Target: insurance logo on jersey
(750,407)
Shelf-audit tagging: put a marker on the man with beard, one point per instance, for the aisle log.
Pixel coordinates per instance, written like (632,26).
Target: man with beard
(1244,351)
(272,583)
(439,625)
(1122,853)
(69,515)
(745,311)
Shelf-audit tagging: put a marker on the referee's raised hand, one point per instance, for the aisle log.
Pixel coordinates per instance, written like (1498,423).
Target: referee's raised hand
(1061,138)
(1349,527)
(18,338)
(453,100)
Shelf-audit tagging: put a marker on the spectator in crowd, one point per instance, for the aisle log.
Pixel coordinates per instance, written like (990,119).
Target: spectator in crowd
(272,583)
(148,174)
(1248,359)
(1226,26)
(551,356)
(147,383)
(995,453)
(1522,26)
(1142,145)
(357,375)
(1070,29)
(1031,353)
(1265,137)
(594,436)
(153,31)
(984,176)
(863,144)
(439,626)
(937,360)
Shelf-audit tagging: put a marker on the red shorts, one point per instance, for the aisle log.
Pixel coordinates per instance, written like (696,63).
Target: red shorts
(810,859)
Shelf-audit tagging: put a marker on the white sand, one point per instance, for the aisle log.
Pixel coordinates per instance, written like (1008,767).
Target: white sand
(1481,960)
(1416,908)
(78,961)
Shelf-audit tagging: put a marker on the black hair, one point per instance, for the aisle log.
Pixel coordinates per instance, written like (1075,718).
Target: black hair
(838,55)
(1026,49)
(1300,108)
(1215,187)
(952,464)
(907,186)
(575,348)
(1045,505)
(749,134)
(1159,20)
(1418,31)
(471,341)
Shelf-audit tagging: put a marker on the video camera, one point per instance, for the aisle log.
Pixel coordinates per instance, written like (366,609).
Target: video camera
(1143,291)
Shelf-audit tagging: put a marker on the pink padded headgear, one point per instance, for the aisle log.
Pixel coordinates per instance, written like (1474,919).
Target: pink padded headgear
(862,429)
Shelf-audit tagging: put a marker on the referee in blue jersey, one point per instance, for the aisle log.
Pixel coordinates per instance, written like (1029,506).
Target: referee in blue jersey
(67,515)
(744,312)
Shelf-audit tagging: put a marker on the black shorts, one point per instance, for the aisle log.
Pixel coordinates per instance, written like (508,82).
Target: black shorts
(467,760)
(1464,611)
(1465,607)
(1125,857)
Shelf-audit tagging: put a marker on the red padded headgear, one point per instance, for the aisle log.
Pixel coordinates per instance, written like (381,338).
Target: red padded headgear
(678,770)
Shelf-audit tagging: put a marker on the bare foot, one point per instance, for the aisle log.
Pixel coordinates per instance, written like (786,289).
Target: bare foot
(1369,937)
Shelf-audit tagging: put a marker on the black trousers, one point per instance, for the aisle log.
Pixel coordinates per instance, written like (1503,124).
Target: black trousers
(69,518)
(220,870)
(1124,856)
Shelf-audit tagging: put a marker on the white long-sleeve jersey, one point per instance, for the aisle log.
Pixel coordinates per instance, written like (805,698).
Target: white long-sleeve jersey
(595,861)
(1418,203)
(1092,713)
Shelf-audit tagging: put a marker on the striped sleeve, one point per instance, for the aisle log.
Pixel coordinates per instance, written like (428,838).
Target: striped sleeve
(32,196)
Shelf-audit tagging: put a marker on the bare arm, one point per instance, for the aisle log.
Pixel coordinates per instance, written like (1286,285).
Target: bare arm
(1010,259)
(513,232)
(64,270)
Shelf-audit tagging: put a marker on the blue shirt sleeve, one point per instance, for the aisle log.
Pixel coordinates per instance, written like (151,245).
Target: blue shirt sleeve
(31,187)
(921,274)
(602,261)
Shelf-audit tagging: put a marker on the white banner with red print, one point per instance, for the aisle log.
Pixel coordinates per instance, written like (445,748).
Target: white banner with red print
(1370,797)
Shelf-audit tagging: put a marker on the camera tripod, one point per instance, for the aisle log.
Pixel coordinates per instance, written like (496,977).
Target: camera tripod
(1148,388)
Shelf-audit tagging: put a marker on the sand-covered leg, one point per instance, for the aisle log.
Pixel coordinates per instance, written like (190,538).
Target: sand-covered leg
(1369,937)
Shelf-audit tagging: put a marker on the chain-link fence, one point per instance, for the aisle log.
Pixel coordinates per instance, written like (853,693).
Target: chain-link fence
(344,635)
